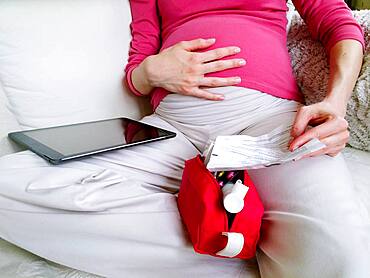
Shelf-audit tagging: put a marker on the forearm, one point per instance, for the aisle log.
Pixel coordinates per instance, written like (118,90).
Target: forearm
(345,64)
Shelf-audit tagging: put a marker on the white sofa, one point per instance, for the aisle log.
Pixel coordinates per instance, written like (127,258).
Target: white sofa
(52,51)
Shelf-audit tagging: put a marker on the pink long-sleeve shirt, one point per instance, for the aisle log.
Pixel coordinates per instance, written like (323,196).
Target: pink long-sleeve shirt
(257,27)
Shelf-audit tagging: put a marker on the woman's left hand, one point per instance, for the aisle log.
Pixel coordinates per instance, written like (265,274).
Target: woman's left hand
(328,125)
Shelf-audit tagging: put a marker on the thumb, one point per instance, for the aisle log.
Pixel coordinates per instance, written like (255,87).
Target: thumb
(197,43)
(302,118)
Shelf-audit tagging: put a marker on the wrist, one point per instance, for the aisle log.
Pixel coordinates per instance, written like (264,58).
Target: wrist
(140,79)
(149,71)
(339,104)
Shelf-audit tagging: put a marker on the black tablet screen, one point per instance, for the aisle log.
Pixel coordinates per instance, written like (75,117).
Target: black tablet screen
(86,137)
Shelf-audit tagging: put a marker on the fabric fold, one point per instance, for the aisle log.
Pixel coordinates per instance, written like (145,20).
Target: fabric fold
(61,177)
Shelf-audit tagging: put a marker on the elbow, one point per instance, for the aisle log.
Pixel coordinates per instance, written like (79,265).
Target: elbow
(124,82)
(351,31)
(339,25)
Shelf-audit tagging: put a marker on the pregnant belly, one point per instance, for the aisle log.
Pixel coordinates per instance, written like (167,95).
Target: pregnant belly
(263,46)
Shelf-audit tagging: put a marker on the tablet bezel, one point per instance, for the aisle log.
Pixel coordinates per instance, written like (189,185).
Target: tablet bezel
(55,157)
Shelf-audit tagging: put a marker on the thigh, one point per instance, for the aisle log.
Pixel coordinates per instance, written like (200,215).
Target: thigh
(314,224)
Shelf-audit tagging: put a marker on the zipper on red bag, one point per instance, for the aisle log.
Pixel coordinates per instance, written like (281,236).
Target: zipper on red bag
(240,175)
(229,218)
(235,216)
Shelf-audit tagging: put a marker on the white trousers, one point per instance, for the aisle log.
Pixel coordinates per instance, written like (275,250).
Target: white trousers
(125,222)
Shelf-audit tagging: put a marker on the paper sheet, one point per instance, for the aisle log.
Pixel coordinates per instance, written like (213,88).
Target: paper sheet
(237,152)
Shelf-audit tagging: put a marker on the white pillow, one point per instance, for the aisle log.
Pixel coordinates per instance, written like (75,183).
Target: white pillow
(7,124)
(62,61)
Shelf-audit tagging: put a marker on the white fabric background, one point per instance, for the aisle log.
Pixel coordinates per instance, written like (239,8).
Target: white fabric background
(62,61)
(7,124)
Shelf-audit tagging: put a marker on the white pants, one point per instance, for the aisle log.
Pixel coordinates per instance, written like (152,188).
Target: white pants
(314,224)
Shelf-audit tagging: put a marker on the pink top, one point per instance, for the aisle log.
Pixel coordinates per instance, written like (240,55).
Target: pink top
(257,27)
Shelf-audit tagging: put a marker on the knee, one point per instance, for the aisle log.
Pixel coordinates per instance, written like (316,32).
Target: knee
(300,246)
(345,255)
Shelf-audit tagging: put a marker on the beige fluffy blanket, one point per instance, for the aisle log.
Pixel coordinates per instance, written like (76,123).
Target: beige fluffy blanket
(311,68)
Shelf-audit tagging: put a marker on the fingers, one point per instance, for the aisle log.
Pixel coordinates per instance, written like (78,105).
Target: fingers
(218,81)
(221,65)
(340,138)
(196,44)
(192,67)
(218,53)
(334,144)
(211,55)
(333,151)
(301,120)
(201,93)
(335,130)
(331,129)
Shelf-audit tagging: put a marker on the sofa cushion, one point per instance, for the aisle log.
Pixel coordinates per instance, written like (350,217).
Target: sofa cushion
(311,68)
(62,61)
(7,124)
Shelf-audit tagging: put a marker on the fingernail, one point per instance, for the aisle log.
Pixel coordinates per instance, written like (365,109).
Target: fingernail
(238,80)
(211,40)
(237,50)
(221,97)
(242,62)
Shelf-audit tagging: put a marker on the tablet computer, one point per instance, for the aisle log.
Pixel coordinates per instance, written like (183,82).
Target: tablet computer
(62,143)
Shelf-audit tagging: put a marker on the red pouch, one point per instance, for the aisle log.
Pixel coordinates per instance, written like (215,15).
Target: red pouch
(200,203)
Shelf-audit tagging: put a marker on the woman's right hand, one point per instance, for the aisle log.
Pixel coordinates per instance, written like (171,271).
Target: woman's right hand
(180,70)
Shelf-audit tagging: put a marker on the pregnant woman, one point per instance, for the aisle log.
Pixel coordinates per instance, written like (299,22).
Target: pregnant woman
(211,68)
